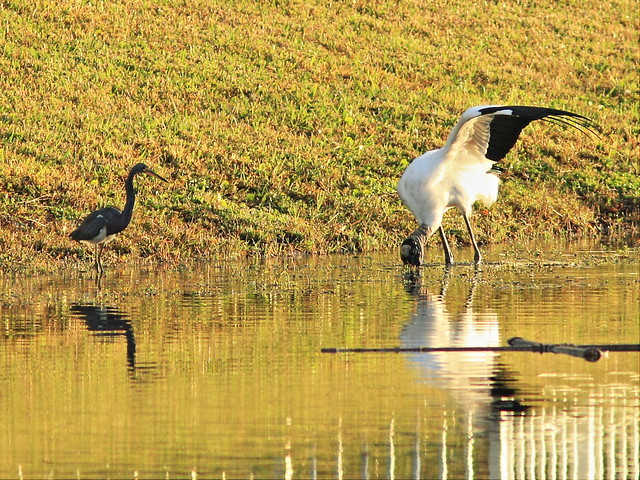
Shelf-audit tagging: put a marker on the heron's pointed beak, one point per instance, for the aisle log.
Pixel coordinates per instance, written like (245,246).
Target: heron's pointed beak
(154,174)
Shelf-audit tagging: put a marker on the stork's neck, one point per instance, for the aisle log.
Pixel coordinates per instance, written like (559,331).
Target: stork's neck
(423,232)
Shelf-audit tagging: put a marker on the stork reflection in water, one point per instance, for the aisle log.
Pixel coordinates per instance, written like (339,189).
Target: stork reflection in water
(449,319)
(101,226)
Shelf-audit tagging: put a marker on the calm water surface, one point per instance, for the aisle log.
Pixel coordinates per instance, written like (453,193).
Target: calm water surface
(215,370)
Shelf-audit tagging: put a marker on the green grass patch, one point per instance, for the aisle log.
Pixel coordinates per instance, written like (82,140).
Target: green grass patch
(284,126)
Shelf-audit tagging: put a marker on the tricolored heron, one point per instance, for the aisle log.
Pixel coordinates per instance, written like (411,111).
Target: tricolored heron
(464,171)
(101,226)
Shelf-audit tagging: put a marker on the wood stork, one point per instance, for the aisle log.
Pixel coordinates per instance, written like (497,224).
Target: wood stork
(101,226)
(463,171)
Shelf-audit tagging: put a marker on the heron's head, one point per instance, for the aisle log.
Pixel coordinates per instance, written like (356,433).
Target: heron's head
(411,251)
(142,168)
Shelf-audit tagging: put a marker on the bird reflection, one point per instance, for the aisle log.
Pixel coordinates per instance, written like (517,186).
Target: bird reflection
(480,385)
(438,323)
(109,321)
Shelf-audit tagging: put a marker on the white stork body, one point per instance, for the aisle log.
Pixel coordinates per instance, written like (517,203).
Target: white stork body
(428,189)
(463,171)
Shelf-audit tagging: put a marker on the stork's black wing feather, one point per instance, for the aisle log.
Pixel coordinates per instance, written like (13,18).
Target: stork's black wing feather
(505,129)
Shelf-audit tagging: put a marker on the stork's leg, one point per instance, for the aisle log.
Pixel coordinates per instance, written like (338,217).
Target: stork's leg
(477,257)
(474,284)
(448,256)
(444,286)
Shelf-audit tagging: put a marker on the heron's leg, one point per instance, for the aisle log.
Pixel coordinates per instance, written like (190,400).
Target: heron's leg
(477,257)
(95,259)
(448,256)
(99,249)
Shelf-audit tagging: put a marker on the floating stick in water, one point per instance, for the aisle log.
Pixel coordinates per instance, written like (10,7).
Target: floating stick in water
(591,353)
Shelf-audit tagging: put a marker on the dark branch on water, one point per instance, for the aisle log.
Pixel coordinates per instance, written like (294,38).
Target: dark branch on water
(591,353)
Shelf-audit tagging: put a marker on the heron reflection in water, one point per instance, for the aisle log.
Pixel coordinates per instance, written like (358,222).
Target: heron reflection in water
(108,321)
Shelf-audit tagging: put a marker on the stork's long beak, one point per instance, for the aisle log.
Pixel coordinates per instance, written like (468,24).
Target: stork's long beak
(148,171)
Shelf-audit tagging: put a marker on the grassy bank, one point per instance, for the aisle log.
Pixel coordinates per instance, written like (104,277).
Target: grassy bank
(285,126)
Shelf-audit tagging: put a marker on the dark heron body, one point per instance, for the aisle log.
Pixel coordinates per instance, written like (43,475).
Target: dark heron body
(101,226)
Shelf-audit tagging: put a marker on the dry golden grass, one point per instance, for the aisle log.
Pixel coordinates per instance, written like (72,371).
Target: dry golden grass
(285,126)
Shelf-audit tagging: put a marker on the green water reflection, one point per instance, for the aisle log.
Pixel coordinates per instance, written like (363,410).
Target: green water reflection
(215,370)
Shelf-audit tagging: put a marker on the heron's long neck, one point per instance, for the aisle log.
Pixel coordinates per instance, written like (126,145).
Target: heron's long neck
(122,221)
(131,197)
